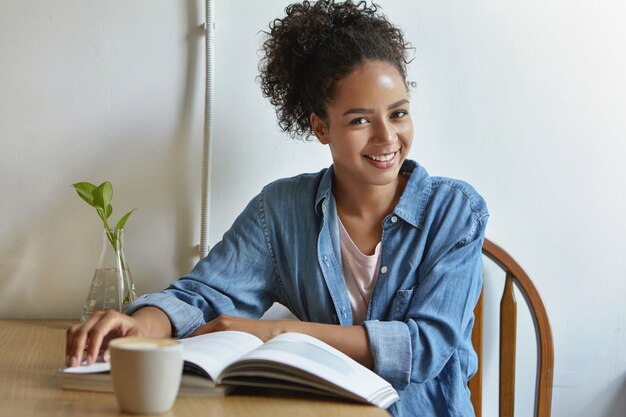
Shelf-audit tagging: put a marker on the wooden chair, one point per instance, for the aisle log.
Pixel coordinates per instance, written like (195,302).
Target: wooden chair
(515,275)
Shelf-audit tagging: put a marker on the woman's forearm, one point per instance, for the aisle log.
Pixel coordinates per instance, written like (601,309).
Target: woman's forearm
(351,340)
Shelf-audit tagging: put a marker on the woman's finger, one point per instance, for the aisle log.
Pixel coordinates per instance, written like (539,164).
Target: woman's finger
(77,339)
(109,322)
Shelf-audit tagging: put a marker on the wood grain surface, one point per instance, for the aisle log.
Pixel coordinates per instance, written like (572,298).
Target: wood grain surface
(33,350)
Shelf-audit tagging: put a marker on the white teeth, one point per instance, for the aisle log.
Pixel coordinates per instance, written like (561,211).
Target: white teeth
(382,158)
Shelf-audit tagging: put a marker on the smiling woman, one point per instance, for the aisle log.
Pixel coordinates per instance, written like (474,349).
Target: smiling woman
(373,255)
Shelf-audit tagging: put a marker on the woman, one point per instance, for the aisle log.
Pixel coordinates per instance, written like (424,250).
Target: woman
(373,255)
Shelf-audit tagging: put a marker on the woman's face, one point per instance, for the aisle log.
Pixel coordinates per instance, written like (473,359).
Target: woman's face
(368,126)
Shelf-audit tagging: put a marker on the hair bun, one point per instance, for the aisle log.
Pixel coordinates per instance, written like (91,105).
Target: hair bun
(314,46)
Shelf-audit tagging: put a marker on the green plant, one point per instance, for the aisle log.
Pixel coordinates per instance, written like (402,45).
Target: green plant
(99,197)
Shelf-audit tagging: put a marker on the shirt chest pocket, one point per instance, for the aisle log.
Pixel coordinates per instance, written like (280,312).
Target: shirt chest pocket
(401,304)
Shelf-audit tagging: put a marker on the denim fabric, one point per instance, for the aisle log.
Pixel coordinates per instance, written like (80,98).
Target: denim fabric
(284,247)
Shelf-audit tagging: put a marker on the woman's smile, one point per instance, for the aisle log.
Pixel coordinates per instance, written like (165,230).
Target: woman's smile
(382,161)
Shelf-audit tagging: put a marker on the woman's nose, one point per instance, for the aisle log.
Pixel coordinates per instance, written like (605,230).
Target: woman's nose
(384,132)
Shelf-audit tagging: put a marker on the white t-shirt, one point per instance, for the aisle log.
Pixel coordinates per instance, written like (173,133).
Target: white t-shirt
(360,273)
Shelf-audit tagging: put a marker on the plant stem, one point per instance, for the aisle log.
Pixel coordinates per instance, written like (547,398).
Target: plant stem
(113,240)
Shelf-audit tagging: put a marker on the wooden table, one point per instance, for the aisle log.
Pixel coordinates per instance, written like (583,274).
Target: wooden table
(31,352)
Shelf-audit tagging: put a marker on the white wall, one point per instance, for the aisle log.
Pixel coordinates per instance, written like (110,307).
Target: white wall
(522,99)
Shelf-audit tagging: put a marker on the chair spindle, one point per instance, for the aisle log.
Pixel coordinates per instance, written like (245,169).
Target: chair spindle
(508,333)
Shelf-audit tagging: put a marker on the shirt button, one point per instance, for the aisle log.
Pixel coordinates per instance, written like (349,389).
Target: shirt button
(394,219)
(383,270)
(326,261)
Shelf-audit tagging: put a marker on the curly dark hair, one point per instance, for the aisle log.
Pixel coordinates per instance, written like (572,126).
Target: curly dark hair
(314,46)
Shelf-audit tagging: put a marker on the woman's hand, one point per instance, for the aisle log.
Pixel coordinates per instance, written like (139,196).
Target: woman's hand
(263,329)
(94,334)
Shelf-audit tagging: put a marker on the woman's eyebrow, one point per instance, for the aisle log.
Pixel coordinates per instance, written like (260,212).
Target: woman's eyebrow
(361,110)
(398,103)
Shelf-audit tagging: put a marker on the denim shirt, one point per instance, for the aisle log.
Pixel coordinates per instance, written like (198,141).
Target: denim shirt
(284,247)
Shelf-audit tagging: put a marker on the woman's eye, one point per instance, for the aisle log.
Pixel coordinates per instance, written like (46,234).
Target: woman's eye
(358,121)
(399,114)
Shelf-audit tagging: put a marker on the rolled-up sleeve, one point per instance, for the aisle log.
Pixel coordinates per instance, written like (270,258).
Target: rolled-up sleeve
(390,344)
(185,318)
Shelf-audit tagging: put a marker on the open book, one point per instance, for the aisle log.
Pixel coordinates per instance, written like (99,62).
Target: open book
(293,361)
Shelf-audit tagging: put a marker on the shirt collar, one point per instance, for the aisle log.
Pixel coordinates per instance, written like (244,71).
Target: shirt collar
(412,204)
(413,201)
(324,190)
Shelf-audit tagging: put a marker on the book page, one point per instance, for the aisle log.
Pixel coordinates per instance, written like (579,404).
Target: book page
(215,351)
(317,359)
(96,367)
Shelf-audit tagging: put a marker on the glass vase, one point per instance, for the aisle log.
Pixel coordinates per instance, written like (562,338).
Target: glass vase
(112,286)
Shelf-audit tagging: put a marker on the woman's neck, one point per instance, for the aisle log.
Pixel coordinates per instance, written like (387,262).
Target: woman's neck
(372,201)
(362,210)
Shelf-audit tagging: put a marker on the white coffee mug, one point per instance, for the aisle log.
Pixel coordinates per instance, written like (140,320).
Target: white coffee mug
(146,373)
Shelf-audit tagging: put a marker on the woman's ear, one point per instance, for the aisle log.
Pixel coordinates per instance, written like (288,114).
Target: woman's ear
(319,128)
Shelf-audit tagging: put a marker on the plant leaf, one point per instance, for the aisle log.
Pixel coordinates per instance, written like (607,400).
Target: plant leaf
(109,210)
(85,191)
(120,224)
(98,199)
(107,193)
(102,195)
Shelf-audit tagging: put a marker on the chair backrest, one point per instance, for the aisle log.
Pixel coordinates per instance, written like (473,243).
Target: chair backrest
(515,275)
